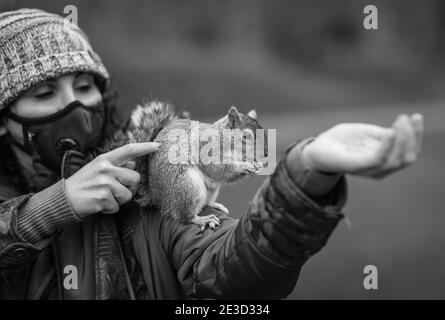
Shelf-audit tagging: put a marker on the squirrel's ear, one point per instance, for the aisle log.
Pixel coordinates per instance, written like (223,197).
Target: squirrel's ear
(252,114)
(185,115)
(233,115)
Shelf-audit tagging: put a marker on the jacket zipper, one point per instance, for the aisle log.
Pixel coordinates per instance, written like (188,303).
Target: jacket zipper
(58,271)
(55,248)
(62,169)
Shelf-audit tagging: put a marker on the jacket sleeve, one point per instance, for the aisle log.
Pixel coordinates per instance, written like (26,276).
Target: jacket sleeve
(260,256)
(28,222)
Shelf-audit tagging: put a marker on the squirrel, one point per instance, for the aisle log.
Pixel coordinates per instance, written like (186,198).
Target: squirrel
(182,189)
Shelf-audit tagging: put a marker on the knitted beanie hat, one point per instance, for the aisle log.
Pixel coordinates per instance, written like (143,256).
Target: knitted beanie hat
(36,46)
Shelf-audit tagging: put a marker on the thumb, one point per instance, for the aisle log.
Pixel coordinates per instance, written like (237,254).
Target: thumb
(387,143)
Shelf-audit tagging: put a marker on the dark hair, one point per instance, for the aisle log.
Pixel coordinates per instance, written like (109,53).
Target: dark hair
(116,120)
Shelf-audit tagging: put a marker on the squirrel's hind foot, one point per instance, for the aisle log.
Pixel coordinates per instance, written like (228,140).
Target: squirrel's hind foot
(211,220)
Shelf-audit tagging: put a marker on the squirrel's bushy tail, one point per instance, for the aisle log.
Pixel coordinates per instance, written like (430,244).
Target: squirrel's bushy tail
(147,120)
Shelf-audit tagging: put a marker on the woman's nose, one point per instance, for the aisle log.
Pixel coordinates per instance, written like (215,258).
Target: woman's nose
(67,97)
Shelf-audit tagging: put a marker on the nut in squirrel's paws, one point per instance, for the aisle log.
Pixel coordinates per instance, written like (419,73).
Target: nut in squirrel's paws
(251,168)
(211,220)
(258,166)
(220,207)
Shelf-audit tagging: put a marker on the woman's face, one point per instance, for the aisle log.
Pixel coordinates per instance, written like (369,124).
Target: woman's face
(52,96)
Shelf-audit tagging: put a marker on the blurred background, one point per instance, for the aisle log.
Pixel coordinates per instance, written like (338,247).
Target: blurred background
(304,66)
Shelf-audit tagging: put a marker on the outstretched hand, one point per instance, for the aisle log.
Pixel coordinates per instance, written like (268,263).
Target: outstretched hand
(365,149)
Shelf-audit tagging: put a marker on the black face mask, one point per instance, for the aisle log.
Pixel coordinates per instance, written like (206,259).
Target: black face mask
(76,127)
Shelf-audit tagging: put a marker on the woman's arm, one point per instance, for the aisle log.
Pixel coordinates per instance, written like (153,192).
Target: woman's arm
(28,222)
(259,256)
(292,215)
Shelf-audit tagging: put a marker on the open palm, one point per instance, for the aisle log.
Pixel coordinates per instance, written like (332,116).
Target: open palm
(366,149)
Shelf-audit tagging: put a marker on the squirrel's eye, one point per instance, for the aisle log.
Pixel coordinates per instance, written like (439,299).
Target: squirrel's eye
(247,134)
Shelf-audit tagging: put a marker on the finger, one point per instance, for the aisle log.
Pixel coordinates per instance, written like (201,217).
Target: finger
(396,157)
(127,177)
(378,132)
(129,165)
(110,204)
(417,122)
(121,193)
(382,154)
(130,151)
(403,150)
(387,139)
(409,134)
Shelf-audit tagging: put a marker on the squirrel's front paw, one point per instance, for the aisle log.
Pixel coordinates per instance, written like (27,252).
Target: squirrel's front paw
(258,166)
(250,168)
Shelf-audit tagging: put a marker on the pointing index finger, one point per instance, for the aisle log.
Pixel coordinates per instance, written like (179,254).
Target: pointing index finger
(122,155)
(417,121)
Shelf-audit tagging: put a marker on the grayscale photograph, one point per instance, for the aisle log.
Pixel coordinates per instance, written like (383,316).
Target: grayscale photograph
(250,151)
